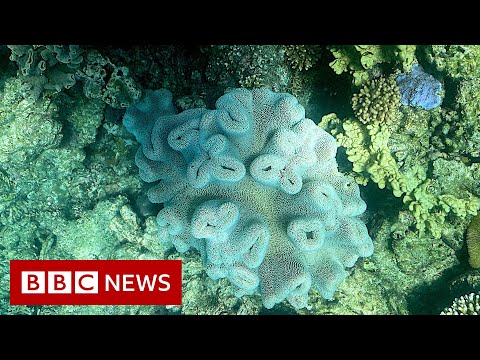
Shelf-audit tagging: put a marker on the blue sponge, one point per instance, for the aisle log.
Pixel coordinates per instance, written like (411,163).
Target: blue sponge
(419,89)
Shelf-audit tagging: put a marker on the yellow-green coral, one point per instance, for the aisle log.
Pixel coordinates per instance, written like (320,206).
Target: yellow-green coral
(358,60)
(473,242)
(430,209)
(377,101)
(458,61)
(429,200)
(367,149)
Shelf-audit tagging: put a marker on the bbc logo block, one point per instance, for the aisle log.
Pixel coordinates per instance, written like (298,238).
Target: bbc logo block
(95,282)
(59,282)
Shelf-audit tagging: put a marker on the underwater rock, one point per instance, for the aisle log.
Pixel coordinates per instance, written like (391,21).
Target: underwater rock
(420,89)
(254,187)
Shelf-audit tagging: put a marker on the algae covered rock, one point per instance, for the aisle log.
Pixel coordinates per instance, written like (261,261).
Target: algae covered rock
(26,129)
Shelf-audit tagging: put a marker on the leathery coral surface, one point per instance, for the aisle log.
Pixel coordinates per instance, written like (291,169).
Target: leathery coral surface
(254,186)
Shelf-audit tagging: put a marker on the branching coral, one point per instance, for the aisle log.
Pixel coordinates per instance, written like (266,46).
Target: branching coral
(401,162)
(377,101)
(367,148)
(464,305)
(249,66)
(254,186)
(302,57)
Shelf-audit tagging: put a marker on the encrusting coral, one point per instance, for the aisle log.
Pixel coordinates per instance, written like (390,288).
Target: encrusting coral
(254,186)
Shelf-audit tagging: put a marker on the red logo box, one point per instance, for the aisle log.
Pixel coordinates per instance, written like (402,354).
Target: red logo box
(95,282)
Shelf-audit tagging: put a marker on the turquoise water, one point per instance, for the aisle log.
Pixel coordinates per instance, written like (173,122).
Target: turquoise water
(405,143)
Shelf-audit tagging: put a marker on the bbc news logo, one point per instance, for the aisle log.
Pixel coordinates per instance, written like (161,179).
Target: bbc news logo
(95,282)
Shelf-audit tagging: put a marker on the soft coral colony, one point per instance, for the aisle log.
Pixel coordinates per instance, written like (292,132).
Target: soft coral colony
(253,186)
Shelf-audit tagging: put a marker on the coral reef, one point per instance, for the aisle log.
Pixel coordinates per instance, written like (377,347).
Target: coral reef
(464,305)
(249,66)
(455,61)
(302,57)
(365,61)
(225,177)
(179,68)
(108,82)
(245,218)
(419,89)
(458,131)
(49,69)
(49,180)
(367,148)
(401,157)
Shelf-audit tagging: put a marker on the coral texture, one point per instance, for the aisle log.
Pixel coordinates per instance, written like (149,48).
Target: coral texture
(377,101)
(302,57)
(363,61)
(464,305)
(398,161)
(457,61)
(249,66)
(254,186)
(47,69)
(473,242)
(420,89)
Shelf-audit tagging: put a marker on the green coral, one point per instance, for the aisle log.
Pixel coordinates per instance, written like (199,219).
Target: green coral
(457,61)
(464,305)
(377,101)
(458,132)
(449,190)
(367,148)
(361,60)
(302,57)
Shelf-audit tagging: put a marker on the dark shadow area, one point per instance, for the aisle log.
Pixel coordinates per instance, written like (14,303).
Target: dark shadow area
(331,92)
(432,299)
